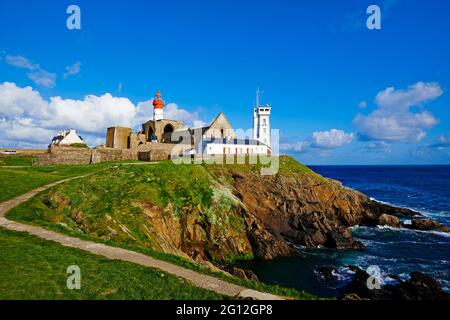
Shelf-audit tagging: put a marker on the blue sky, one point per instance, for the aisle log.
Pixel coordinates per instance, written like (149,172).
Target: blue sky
(325,74)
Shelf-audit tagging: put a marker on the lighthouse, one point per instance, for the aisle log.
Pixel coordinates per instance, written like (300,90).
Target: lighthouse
(261,122)
(158,105)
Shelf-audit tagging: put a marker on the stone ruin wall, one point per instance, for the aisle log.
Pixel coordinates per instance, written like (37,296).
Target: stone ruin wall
(155,151)
(71,156)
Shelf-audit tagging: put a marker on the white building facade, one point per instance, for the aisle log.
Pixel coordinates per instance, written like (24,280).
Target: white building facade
(238,147)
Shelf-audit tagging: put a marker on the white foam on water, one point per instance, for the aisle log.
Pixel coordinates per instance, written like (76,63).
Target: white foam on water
(440,233)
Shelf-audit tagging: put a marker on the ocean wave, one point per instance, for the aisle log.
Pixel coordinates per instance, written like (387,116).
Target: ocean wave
(343,276)
(439,233)
(378,227)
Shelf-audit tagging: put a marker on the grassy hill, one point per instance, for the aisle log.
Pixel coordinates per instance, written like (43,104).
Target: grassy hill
(184,210)
(32,268)
(184,214)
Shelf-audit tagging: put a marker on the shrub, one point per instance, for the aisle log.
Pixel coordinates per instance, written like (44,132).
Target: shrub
(79,145)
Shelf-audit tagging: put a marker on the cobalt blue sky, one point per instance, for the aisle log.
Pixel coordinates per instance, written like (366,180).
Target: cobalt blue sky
(340,93)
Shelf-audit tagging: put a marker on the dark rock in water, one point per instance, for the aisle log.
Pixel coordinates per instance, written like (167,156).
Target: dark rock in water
(359,284)
(379,209)
(244,274)
(326,273)
(388,220)
(427,225)
(340,241)
(419,287)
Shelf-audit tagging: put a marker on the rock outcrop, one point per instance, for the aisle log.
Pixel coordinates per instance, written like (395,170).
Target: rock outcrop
(427,225)
(388,220)
(309,210)
(419,287)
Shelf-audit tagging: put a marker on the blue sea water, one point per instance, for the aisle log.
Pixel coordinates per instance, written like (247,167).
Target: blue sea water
(395,251)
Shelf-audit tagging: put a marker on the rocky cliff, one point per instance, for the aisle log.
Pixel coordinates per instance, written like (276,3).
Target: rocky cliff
(217,213)
(300,207)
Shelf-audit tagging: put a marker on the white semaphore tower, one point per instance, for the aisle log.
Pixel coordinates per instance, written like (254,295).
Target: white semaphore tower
(261,121)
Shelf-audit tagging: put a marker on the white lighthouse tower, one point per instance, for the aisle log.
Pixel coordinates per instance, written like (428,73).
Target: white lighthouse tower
(261,122)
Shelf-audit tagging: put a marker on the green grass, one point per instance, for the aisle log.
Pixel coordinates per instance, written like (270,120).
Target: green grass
(111,194)
(16,160)
(114,194)
(16,181)
(32,268)
(286,166)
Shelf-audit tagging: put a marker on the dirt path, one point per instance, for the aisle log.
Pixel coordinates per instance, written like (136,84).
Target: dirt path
(197,279)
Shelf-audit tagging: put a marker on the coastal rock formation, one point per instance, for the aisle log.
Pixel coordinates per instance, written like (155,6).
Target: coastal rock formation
(388,220)
(309,210)
(220,213)
(419,287)
(427,225)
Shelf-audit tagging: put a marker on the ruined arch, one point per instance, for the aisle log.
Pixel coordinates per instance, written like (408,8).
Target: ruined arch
(150,133)
(168,128)
(167,132)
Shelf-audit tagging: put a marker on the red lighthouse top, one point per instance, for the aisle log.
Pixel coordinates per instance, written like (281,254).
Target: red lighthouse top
(158,103)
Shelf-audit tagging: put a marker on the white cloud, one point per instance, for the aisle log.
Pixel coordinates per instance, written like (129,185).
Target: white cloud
(26,117)
(444,140)
(331,139)
(378,146)
(43,78)
(20,62)
(172,111)
(72,69)
(38,75)
(394,120)
(362,104)
(299,146)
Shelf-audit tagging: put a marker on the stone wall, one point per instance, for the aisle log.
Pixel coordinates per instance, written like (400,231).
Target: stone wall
(63,155)
(137,139)
(71,155)
(156,151)
(118,137)
(106,155)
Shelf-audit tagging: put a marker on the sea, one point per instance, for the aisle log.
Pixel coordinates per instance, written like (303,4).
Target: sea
(390,251)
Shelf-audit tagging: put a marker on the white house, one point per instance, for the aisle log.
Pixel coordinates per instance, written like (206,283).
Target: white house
(66,138)
(239,147)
